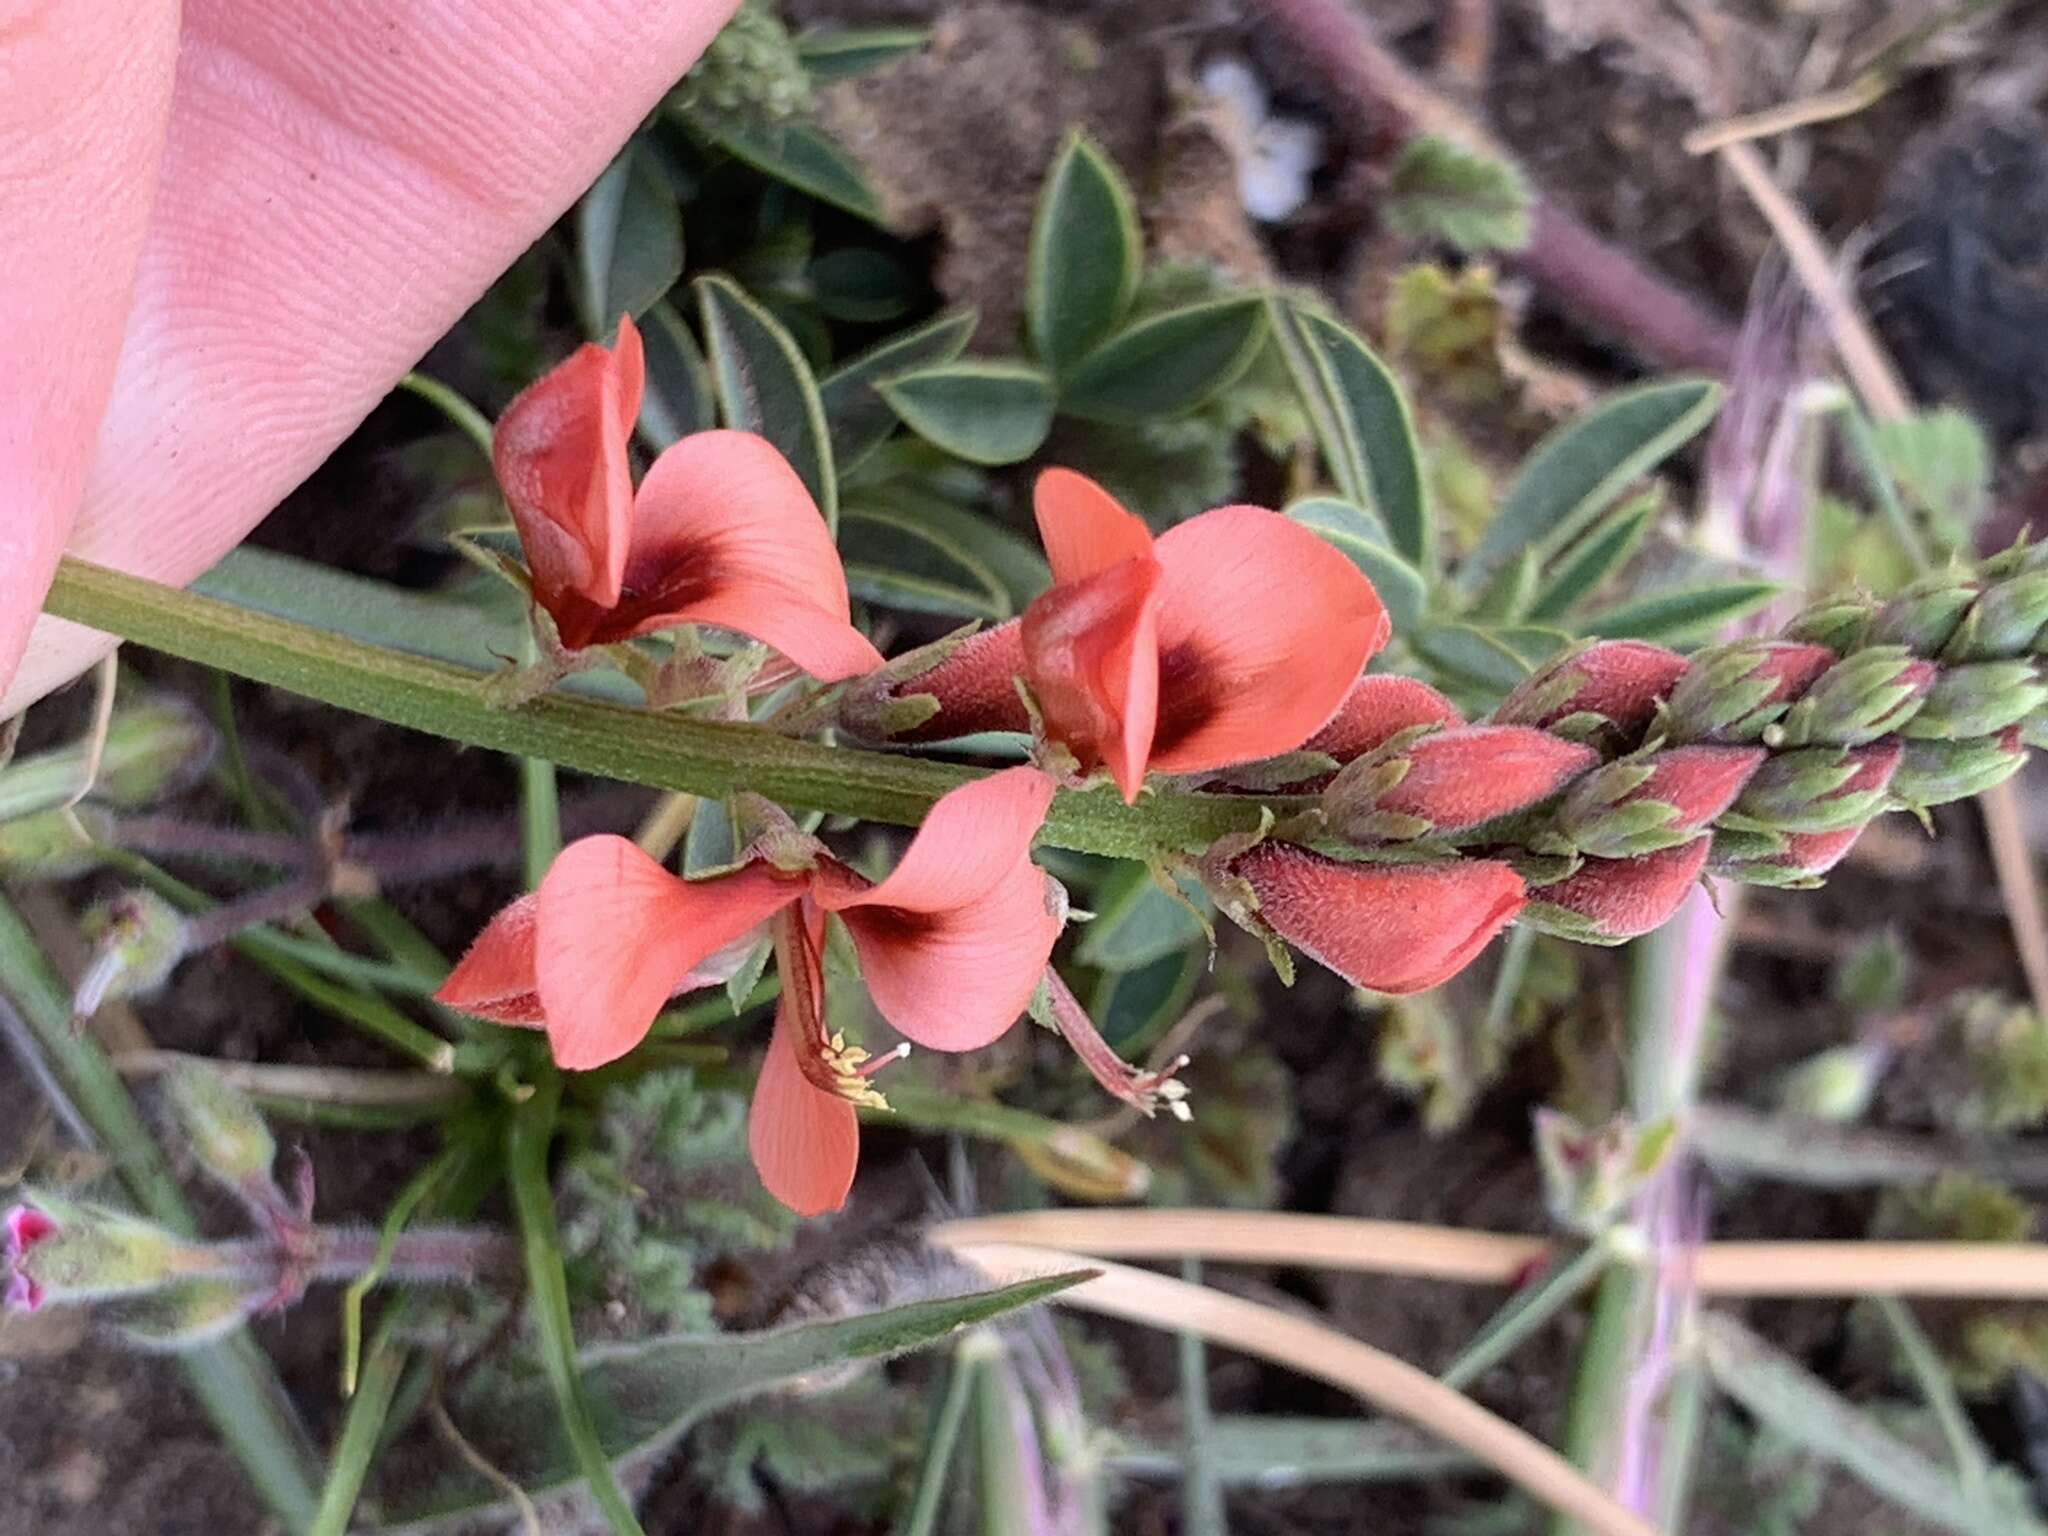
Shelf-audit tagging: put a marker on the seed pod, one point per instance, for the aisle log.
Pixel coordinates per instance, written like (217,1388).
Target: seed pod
(1820,789)
(1607,691)
(1734,693)
(1395,928)
(53,845)
(138,940)
(1611,900)
(1860,698)
(1936,772)
(1978,699)
(1450,780)
(1657,800)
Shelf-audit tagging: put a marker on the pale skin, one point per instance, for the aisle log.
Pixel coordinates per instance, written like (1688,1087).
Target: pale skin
(228,227)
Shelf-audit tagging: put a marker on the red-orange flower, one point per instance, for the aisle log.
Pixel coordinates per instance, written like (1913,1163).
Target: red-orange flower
(1391,927)
(951,946)
(720,532)
(1232,637)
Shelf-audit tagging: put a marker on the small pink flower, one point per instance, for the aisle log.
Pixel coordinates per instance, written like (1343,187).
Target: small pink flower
(25,1227)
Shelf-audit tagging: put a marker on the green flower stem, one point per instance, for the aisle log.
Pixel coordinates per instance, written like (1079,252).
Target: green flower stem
(922,1518)
(232,1379)
(1525,1315)
(287,959)
(634,745)
(460,1189)
(532,1128)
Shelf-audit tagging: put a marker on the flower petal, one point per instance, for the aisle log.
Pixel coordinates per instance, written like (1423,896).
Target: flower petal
(560,451)
(724,533)
(1091,656)
(494,979)
(953,942)
(1391,927)
(1085,530)
(1263,630)
(805,1142)
(957,979)
(616,935)
(973,840)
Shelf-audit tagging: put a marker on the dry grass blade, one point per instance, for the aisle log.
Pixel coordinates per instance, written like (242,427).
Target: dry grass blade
(1315,1350)
(1486,1258)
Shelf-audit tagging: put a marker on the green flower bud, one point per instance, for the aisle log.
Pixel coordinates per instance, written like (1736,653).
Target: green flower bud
(1924,615)
(187,1316)
(69,1251)
(1590,1173)
(1860,698)
(138,940)
(1819,789)
(1835,1085)
(152,750)
(53,845)
(2008,620)
(1979,699)
(1840,623)
(1657,800)
(1736,692)
(223,1128)
(1936,772)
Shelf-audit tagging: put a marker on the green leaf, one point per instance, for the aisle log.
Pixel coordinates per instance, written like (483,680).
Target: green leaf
(839,55)
(1472,656)
(645,1394)
(1680,615)
(679,398)
(860,418)
(1253,1451)
(1167,365)
(1442,191)
(765,386)
(437,625)
(1941,460)
(1364,541)
(1085,256)
(1007,568)
(527,1137)
(862,285)
(895,558)
(629,241)
(1599,555)
(1576,472)
(1808,1413)
(1136,923)
(794,153)
(1133,1008)
(1508,596)
(1366,431)
(983,412)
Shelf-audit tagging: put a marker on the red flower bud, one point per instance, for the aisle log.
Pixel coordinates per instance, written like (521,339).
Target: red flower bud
(1380,705)
(1473,773)
(1644,804)
(1621,680)
(1609,900)
(1732,692)
(976,687)
(1390,927)
(1815,853)
(25,1226)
